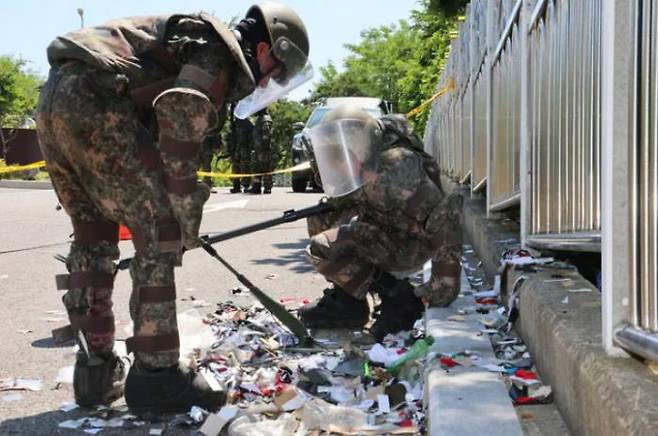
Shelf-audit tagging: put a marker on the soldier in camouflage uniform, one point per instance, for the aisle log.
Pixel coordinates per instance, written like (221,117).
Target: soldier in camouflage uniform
(120,122)
(212,144)
(394,222)
(243,151)
(264,154)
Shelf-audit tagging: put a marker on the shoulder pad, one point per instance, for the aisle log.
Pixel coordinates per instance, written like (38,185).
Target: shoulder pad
(244,82)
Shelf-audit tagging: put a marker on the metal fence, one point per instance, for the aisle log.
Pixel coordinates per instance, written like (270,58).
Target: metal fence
(549,94)
(638,330)
(565,68)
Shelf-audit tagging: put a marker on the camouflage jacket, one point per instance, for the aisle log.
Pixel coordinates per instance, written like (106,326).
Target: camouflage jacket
(405,189)
(152,48)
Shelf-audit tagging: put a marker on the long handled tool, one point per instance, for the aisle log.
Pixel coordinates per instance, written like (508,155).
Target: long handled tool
(280,312)
(288,216)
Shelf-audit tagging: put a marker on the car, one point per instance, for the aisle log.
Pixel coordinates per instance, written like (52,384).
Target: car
(301,147)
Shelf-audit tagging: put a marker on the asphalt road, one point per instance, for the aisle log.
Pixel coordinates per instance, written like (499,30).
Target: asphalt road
(30,307)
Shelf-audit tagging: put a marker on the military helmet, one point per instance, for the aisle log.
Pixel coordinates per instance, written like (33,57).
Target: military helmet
(345,144)
(288,36)
(348,111)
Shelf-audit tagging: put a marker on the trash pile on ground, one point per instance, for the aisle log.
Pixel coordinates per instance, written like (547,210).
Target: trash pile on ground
(276,386)
(497,318)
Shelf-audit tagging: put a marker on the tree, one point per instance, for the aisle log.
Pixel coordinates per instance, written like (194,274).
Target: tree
(400,63)
(284,114)
(19,92)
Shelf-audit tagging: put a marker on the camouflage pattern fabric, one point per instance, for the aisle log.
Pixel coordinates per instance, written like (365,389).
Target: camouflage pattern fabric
(264,153)
(243,149)
(93,135)
(396,222)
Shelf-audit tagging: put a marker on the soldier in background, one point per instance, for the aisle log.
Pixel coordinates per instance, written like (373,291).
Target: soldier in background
(391,216)
(120,122)
(243,151)
(212,144)
(264,153)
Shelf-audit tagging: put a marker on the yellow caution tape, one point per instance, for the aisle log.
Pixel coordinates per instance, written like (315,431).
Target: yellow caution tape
(421,107)
(300,167)
(16,168)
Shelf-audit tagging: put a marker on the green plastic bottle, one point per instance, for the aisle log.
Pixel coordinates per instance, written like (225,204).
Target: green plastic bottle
(417,350)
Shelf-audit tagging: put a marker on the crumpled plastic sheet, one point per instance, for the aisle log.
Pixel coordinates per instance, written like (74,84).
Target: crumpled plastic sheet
(252,425)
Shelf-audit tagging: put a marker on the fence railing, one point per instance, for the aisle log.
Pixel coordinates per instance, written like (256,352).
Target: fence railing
(551,93)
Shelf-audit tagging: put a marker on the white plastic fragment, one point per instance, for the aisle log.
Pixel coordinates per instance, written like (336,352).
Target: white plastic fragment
(17,384)
(67,407)
(378,353)
(155,431)
(211,380)
(383,404)
(216,421)
(196,413)
(72,423)
(318,414)
(65,375)
(565,300)
(12,397)
(290,399)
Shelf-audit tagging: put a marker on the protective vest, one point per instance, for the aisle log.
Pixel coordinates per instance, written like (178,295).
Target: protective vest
(121,45)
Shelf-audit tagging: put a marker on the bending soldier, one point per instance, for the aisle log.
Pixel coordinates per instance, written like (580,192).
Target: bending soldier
(120,122)
(391,216)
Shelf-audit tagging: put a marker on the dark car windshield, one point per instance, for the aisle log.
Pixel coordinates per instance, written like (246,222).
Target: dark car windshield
(320,112)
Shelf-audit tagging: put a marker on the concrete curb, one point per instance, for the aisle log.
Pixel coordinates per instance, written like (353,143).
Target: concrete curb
(596,394)
(26,184)
(465,401)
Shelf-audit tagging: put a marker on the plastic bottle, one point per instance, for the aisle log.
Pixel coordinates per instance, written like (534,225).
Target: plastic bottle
(417,350)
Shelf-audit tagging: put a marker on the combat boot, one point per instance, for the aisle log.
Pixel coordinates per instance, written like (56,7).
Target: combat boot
(335,309)
(255,188)
(399,308)
(169,390)
(98,379)
(267,190)
(236,187)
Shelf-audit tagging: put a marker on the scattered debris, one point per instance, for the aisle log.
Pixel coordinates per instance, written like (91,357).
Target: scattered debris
(65,375)
(12,397)
(67,407)
(20,384)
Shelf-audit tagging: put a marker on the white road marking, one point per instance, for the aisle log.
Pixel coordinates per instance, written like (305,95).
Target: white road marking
(240,204)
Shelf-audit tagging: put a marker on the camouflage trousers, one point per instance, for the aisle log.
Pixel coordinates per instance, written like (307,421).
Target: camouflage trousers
(91,140)
(206,157)
(351,252)
(264,162)
(241,164)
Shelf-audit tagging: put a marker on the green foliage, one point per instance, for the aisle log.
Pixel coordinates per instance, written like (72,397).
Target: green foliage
(19,91)
(284,113)
(400,63)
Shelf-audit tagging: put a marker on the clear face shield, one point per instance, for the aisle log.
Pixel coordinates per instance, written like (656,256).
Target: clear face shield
(344,152)
(295,69)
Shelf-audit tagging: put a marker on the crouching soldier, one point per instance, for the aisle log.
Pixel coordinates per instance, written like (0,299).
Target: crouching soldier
(391,216)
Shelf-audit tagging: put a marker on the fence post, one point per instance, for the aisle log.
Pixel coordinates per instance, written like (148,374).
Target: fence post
(525,117)
(616,191)
(491,47)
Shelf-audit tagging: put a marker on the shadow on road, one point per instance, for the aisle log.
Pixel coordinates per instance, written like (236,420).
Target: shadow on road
(293,256)
(50,343)
(46,423)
